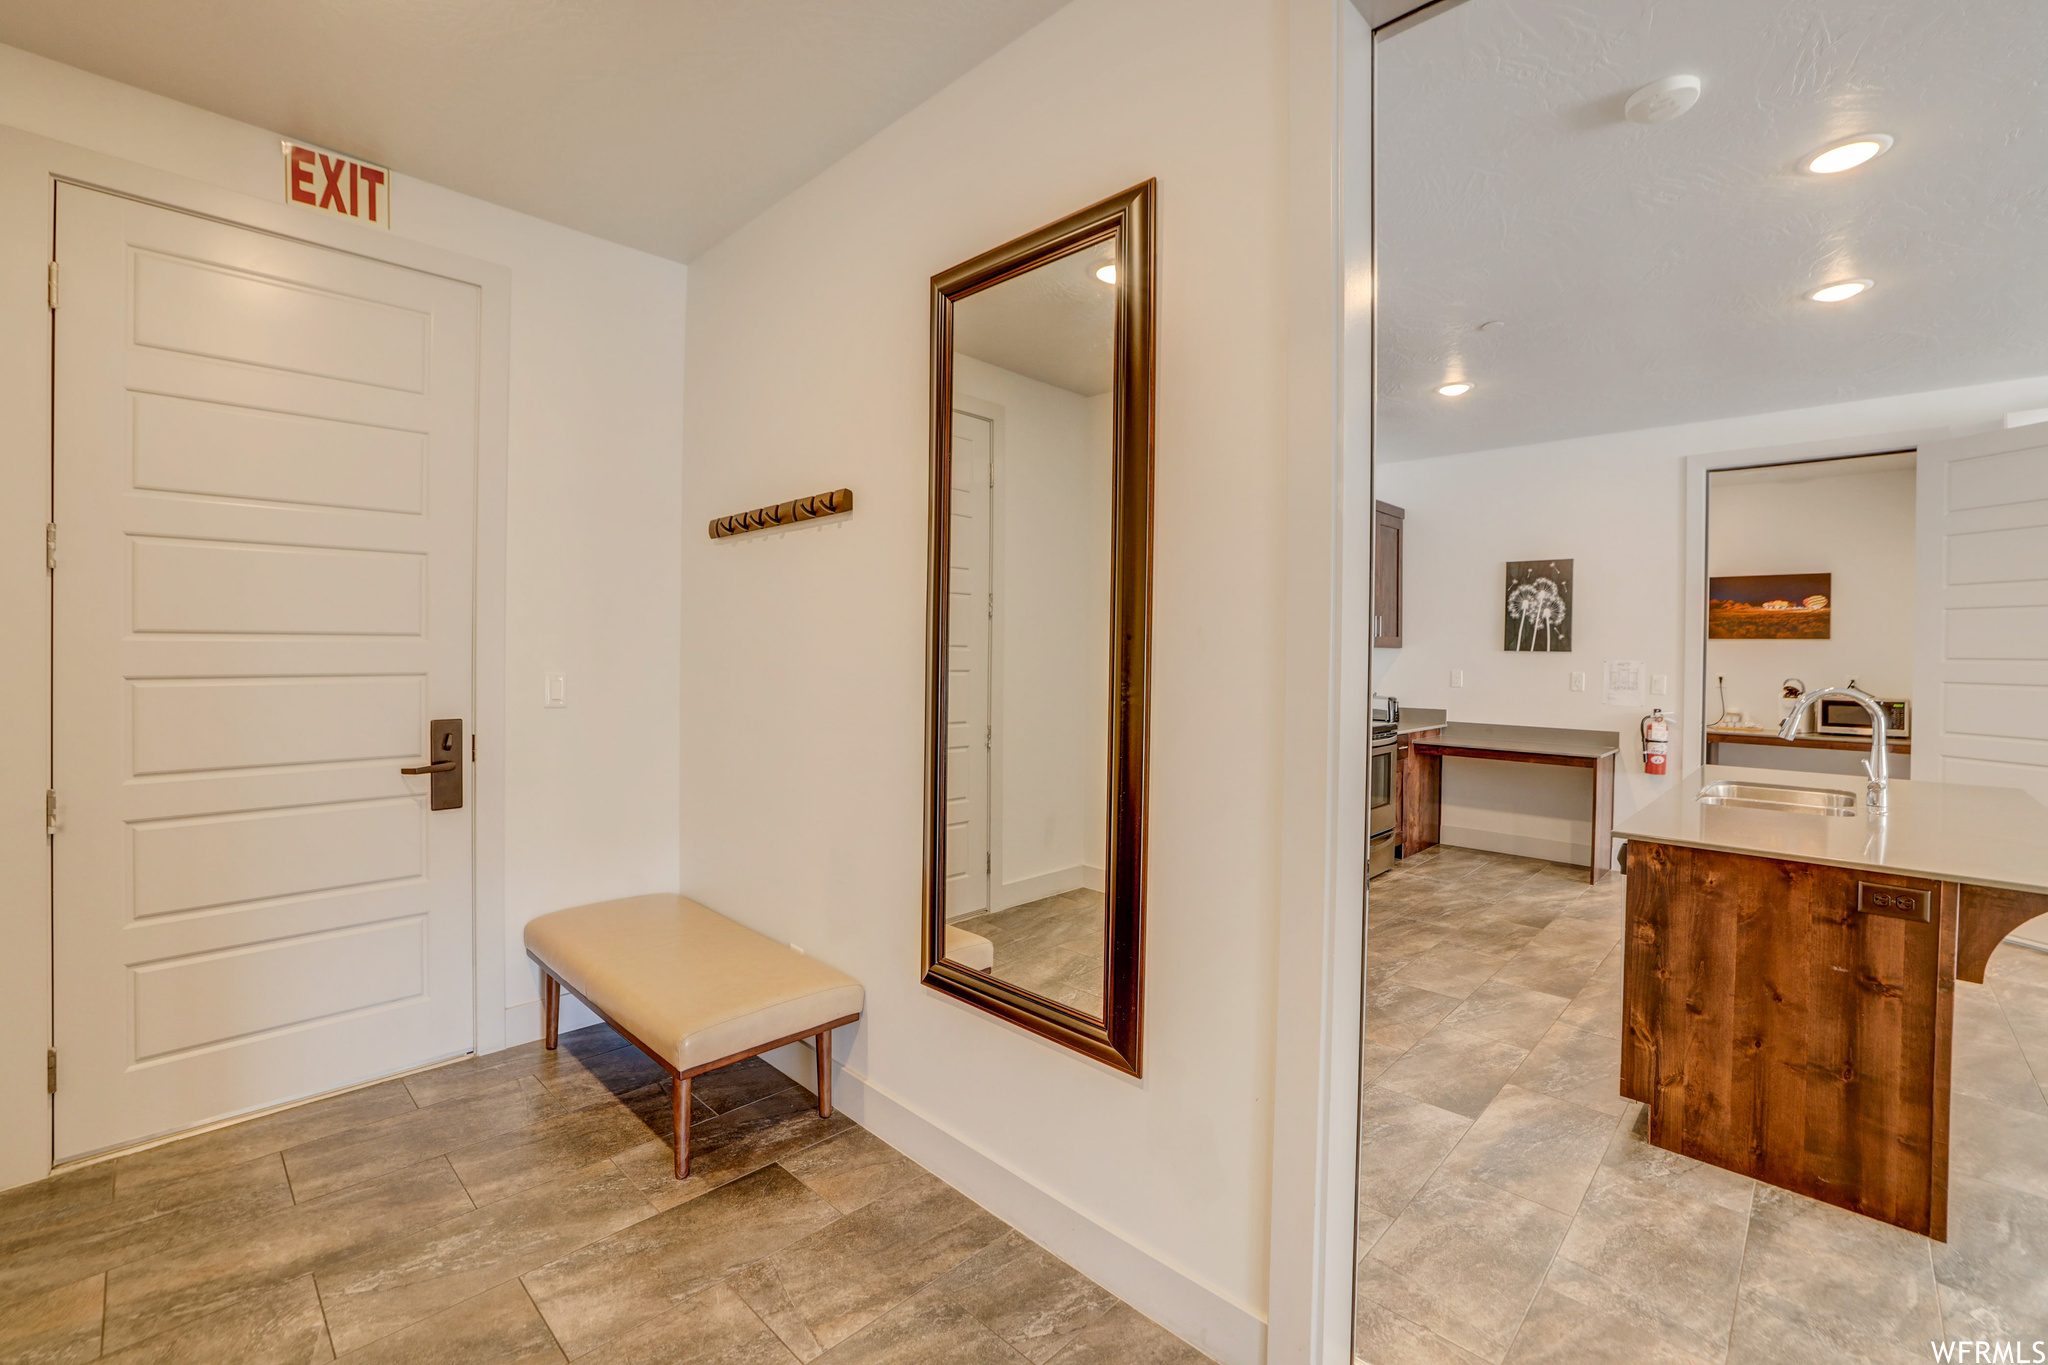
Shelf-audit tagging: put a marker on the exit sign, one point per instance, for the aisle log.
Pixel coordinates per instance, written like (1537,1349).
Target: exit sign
(331,183)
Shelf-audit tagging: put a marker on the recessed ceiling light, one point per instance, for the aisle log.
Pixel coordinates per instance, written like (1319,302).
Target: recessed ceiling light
(1107,274)
(1662,101)
(1841,289)
(1456,390)
(1847,156)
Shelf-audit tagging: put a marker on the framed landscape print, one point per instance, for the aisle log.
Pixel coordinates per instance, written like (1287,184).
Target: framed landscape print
(1769,606)
(1539,606)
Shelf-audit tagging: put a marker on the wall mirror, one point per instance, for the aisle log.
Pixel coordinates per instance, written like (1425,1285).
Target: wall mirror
(1040,598)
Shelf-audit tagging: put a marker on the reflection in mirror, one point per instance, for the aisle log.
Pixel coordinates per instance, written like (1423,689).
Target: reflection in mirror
(1027,695)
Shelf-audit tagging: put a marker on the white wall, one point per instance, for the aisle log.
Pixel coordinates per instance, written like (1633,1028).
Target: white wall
(804,741)
(593,575)
(1856,524)
(1053,493)
(1616,505)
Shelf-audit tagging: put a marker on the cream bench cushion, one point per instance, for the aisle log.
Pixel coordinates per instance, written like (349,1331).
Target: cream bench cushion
(690,985)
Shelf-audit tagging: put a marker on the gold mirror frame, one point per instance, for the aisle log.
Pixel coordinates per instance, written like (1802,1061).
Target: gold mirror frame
(1117,1039)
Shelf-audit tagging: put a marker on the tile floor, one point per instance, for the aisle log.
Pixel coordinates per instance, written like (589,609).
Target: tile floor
(519,1207)
(1509,1209)
(1052,946)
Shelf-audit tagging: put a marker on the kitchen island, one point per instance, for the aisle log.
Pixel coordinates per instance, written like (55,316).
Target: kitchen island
(1789,980)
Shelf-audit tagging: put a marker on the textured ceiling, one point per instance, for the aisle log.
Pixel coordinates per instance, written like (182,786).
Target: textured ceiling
(663,124)
(1651,275)
(1055,324)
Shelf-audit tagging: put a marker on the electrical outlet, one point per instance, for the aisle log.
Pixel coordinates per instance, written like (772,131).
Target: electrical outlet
(1457,677)
(1578,682)
(1660,685)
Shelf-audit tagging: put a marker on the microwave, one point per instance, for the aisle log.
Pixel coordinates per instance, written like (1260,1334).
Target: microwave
(1841,716)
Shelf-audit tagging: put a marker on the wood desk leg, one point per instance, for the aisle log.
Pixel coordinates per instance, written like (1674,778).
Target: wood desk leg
(1603,817)
(551,1006)
(824,1049)
(680,1103)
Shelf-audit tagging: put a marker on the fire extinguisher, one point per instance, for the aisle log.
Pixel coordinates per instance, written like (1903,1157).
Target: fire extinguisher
(1656,743)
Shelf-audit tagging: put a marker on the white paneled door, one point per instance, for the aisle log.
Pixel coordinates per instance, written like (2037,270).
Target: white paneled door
(970,605)
(1980,676)
(264,480)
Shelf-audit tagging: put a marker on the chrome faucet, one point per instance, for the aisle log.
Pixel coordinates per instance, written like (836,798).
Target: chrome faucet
(1874,766)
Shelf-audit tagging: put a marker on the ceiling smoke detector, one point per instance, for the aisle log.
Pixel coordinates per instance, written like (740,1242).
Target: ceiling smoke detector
(1663,101)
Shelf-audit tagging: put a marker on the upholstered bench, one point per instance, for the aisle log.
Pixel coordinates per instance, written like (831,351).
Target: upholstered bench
(692,989)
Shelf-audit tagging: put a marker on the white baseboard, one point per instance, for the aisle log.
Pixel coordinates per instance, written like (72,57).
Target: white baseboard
(522,1022)
(1571,851)
(1027,889)
(1230,1332)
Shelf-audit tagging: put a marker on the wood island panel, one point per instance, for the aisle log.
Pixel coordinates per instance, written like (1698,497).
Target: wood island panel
(1422,789)
(1775,1030)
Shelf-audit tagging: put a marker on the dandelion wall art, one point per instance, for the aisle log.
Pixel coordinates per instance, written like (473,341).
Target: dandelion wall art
(1539,606)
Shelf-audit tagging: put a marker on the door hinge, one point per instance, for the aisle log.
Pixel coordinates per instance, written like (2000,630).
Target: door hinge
(991,606)
(53,1071)
(50,811)
(53,284)
(472,748)
(50,547)
(988,864)
(988,737)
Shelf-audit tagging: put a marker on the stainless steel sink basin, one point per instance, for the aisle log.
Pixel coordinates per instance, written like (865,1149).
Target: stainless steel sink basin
(1771,796)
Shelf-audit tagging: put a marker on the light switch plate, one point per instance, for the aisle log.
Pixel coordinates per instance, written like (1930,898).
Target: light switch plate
(1578,682)
(1457,677)
(1660,684)
(554,689)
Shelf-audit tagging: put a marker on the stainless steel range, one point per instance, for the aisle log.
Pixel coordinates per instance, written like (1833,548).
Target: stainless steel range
(1383,817)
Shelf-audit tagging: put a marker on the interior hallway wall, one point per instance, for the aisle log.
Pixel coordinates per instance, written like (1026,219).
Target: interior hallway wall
(594,457)
(804,744)
(1615,504)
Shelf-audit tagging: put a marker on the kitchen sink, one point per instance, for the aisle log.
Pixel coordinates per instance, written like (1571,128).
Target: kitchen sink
(1771,796)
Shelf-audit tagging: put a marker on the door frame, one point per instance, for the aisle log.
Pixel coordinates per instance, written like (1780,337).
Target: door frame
(30,169)
(996,417)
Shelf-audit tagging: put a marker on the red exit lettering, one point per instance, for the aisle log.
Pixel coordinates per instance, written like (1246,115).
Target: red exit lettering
(328,182)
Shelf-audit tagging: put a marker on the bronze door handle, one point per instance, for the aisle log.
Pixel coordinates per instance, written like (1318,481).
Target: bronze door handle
(444,788)
(446,765)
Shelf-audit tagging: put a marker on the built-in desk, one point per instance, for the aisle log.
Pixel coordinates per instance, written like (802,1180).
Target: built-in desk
(1593,749)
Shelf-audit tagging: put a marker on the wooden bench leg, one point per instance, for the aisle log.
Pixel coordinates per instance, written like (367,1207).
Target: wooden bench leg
(680,1102)
(551,1006)
(824,1049)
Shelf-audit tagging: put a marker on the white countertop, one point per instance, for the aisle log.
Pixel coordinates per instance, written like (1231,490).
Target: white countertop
(1943,831)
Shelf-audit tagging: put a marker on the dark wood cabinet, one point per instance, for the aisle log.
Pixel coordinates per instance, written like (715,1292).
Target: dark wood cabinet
(1387,522)
(1421,816)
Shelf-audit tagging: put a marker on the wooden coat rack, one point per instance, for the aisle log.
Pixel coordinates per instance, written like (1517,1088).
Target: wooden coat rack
(784,513)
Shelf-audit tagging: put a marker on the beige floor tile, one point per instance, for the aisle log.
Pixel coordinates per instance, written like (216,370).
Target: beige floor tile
(613,1286)
(279,1324)
(620,1071)
(762,1290)
(1997,1143)
(38,1258)
(1509,1014)
(710,1327)
(1381,1336)
(926,1330)
(411,1277)
(1993,1269)
(1026,1295)
(60,1196)
(1454,1070)
(733,1144)
(509,1162)
(1578,1318)
(406,1139)
(1553,967)
(60,1326)
(1817,1279)
(1402,1142)
(1537,1146)
(852,1169)
(1574,1065)
(1631,1154)
(739,1085)
(500,1325)
(1677,1260)
(1989,1063)
(1124,1336)
(1597,1007)
(241,1142)
(845,1275)
(1450,970)
(206,1273)
(1464,1260)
